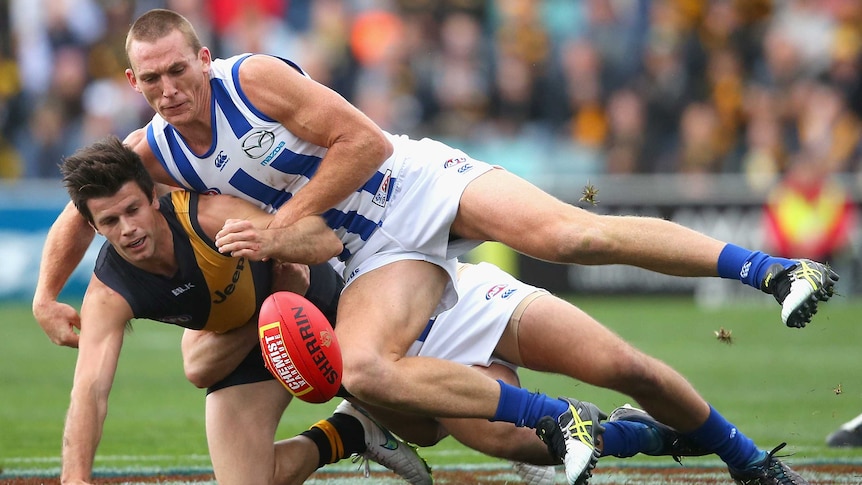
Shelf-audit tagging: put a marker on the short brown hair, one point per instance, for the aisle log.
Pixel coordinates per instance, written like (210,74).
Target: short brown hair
(100,170)
(158,23)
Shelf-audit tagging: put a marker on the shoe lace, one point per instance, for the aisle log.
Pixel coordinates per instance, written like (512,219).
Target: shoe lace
(773,468)
(363,464)
(778,469)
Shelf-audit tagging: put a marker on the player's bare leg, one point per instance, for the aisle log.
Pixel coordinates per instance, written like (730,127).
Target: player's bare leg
(376,332)
(241,425)
(535,223)
(584,349)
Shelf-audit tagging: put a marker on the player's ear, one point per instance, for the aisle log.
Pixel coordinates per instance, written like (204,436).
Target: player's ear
(205,57)
(133,81)
(94,228)
(155,197)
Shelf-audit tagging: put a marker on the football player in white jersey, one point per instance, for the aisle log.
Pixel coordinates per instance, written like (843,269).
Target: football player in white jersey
(256,126)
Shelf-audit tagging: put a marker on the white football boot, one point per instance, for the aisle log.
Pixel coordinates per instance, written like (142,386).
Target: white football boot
(387,449)
(535,474)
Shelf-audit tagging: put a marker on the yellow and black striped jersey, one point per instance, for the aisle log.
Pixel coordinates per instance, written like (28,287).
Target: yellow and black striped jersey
(210,291)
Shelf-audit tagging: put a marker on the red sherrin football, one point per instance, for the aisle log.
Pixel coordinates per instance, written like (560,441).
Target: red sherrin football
(299,347)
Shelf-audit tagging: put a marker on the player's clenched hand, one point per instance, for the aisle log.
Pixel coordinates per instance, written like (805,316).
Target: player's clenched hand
(58,320)
(241,239)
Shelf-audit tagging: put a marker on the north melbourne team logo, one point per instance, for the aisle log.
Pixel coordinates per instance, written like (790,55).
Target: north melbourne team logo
(258,143)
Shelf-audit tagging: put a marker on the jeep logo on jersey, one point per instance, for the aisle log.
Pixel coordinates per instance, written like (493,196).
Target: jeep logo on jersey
(258,143)
(222,295)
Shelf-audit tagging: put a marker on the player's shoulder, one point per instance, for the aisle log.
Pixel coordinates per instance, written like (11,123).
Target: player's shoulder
(138,142)
(266,67)
(136,138)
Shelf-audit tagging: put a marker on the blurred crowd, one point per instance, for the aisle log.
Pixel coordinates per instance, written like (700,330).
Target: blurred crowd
(563,87)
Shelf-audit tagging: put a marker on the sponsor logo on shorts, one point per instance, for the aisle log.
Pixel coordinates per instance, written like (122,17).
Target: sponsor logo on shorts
(180,320)
(454,161)
(495,290)
(460,162)
(211,191)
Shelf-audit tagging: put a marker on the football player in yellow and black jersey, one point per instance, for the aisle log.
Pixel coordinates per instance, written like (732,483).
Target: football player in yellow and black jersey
(160,263)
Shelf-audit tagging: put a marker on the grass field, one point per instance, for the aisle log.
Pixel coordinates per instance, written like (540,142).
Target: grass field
(776,384)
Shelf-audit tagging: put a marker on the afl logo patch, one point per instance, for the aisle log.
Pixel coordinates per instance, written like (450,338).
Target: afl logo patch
(454,161)
(258,143)
(495,290)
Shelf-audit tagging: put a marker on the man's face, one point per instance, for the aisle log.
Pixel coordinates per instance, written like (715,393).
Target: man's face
(128,220)
(172,77)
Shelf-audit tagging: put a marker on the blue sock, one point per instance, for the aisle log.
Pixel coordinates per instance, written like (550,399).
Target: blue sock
(747,266)
(525,408)
(624,439)
(723,439)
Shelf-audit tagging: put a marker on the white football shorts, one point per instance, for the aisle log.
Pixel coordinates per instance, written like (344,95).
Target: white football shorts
(421,208)
(469,332)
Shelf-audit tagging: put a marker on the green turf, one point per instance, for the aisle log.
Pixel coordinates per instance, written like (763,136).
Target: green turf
(777,384)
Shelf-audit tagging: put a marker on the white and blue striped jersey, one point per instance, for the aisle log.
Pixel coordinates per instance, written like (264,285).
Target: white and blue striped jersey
(256,158)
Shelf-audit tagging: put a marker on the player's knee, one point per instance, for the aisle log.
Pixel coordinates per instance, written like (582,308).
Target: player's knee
(366,375)
(636,373)
(425,436)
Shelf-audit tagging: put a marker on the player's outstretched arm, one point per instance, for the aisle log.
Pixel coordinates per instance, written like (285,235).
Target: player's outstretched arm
(104,314)
(67,241)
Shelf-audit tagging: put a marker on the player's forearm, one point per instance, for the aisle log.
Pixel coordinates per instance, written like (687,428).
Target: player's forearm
(308,241)
(80,439)
(346,167)
(67,241)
